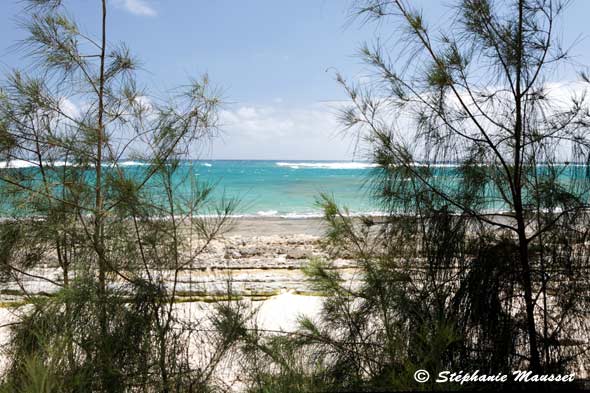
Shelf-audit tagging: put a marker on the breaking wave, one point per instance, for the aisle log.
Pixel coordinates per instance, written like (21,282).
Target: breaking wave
(327,165)
(18,164)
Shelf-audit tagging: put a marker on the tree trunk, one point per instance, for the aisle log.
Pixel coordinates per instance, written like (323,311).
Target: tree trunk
(98,218)
(519,135)
(528,298)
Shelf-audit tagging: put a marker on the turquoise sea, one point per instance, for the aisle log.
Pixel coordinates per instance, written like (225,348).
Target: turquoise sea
(285,188)
(274,188)
(288,189)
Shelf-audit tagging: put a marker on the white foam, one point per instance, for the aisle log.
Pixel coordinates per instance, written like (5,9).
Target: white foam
(19,164)
(207,164)
(327,165)
(354,165)
(130,163)
(366,165)
(295,215)
(267,213)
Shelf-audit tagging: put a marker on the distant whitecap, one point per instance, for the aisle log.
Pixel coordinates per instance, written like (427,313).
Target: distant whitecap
(327,165)
(130,163)
(267,213)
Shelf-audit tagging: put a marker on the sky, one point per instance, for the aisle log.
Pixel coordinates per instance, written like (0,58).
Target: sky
(275,62)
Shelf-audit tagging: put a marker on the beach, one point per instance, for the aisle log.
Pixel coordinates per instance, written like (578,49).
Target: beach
(260,257)
(236,205)
(277,226)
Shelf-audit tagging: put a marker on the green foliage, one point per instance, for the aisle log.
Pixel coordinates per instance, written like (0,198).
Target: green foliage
(499,277)
(66,341)
(111,323)
(33,378)
(439,75)
(325,280)
(471,267)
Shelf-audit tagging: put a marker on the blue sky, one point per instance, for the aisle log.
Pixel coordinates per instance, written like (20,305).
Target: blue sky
(274,60)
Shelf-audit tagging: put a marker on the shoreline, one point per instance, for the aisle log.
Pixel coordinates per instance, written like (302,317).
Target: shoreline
(269,226)
(261,256)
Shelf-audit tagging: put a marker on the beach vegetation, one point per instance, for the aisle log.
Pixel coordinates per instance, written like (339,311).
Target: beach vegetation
(480,259)
(109,245)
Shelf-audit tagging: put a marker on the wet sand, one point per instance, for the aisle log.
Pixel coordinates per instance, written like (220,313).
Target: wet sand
(268,226)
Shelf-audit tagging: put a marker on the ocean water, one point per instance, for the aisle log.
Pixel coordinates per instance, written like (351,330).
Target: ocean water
(288,189)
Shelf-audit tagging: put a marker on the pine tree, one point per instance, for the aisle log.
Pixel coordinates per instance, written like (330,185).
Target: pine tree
(120,235)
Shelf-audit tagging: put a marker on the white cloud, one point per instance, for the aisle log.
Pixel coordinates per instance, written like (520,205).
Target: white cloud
(69,108)
(281,131)
(145,104)
(278,131)
(137,7)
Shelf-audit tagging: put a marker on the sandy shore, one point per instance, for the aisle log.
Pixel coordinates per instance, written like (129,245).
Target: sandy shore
(275,226)
(262,257)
